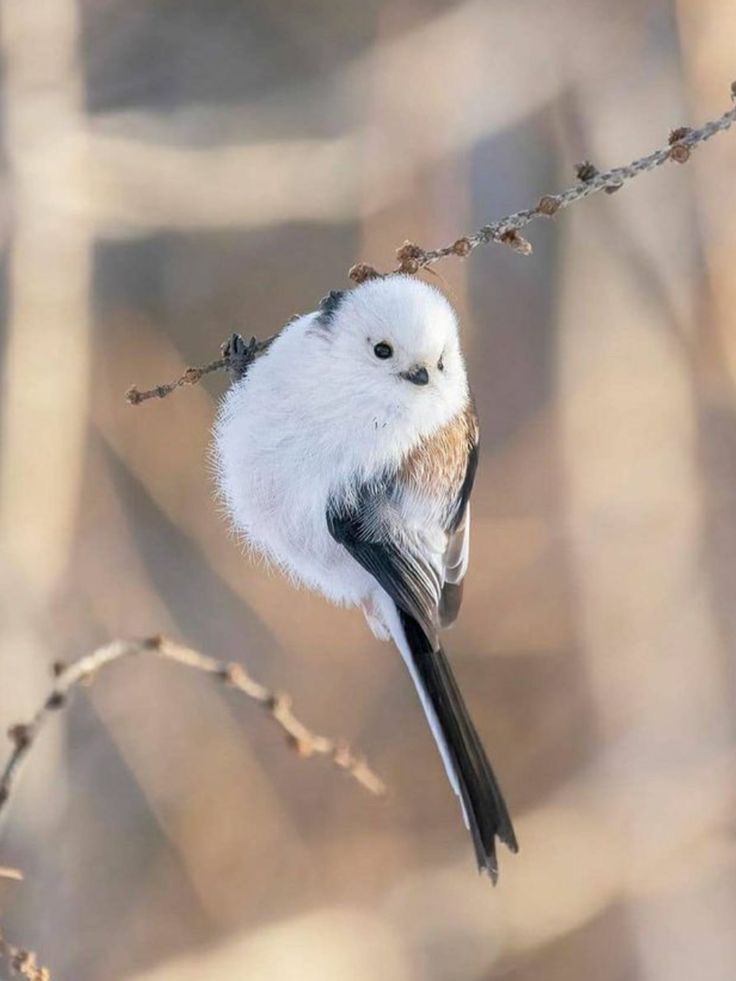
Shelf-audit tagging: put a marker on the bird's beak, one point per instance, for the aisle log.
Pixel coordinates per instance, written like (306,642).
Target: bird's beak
(417,375)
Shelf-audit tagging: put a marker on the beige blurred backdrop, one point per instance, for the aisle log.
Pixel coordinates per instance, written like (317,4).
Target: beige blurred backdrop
(173,170)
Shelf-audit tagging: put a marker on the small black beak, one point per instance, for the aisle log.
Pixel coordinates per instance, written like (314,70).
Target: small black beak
(416,375)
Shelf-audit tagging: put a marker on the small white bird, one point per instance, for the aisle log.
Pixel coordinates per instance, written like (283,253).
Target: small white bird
(345,455)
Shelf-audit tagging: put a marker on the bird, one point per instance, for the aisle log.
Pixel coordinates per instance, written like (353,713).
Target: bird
(345,455)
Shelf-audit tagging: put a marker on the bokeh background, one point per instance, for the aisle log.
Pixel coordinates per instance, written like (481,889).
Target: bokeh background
(173,170)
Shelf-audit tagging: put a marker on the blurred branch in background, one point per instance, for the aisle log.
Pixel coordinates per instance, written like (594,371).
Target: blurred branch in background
(22,962)
(276,704)
(504,231)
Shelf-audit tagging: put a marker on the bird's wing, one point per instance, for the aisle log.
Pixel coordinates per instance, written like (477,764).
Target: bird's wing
(424,581)
(456,564)
(457,553)
(369,527)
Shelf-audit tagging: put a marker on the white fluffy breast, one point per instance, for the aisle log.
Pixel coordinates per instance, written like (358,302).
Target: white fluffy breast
(282,446)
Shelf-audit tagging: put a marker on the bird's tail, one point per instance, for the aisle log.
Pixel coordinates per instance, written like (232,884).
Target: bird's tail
(465,760)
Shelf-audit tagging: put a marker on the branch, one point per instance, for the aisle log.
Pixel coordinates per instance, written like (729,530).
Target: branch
(411,257)
(236,357)
(277,706)
(15,874)
(190,377)
(682,141)
(22,962)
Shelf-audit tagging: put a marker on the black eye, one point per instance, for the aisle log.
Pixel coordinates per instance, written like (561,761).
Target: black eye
(441,365)
(383,350)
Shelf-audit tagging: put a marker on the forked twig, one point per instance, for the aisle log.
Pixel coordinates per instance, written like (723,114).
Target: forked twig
(276,704)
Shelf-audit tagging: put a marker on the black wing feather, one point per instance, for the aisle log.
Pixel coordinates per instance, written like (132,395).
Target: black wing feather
(368,529)
(466,488)
(411,582)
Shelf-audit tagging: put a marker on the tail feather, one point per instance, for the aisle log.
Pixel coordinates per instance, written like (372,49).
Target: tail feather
(465,759)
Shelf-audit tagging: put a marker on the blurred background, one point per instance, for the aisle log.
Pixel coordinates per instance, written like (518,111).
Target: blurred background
(174,170)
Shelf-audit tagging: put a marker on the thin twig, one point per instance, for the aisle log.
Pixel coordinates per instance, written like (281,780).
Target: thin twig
(22,962)
(682,141)
(234,361)
(412,257)
(15,874)
(190,377)
(276,704)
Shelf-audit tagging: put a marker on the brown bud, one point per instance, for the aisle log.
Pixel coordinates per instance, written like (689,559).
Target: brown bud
(680,153)
(361,272)
(21,960)
(733,90)
(133,396)
(462,247)
(20,735)
(548,205)
(409,256)
(585,171)
(409,250)
(192,375)
(58,668)
(679,134)
(302,747)
(515,241)
(153,643)
(279,702)
(55,700)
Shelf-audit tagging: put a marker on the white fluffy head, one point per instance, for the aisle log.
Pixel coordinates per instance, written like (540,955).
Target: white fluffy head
(394,344)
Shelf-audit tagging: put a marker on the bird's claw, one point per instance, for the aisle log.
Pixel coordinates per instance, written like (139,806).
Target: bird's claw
(239,355)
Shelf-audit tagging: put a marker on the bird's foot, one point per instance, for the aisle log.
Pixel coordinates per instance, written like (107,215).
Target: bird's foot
(239,355)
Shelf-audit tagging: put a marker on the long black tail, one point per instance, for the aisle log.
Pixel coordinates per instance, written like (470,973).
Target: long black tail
(476,784)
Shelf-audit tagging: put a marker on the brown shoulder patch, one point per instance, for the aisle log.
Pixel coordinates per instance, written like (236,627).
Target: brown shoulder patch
(440,461)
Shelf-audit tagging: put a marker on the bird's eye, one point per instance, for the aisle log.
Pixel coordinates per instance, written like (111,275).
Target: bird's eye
(441,365)
(383,350)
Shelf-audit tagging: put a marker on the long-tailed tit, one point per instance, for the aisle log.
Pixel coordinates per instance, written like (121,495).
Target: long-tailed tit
(345,455)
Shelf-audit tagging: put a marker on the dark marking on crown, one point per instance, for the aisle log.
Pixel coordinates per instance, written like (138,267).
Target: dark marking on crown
(329,304)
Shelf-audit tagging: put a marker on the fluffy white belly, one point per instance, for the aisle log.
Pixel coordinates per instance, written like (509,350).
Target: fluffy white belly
(276,483)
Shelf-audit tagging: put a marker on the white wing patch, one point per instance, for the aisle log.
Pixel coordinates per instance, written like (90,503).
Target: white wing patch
(457,555)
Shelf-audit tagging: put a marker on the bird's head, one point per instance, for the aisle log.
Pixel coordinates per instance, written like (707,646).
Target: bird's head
(394,347)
